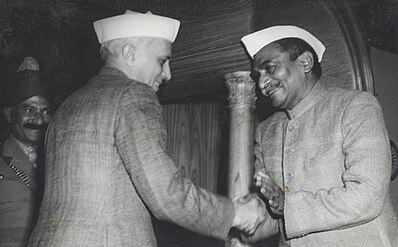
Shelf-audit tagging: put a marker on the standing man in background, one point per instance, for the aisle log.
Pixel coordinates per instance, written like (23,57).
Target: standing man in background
(107,167)
(27,108)
(323,161)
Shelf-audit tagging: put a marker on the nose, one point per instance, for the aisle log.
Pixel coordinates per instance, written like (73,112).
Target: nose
(263,80)
(166,71)
(38,118)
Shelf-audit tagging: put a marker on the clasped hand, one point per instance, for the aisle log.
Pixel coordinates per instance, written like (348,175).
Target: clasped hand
(271,191)
(249,213)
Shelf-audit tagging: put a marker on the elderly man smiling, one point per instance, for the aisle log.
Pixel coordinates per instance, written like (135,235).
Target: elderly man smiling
(323,160)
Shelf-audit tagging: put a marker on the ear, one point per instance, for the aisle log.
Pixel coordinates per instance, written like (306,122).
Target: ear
(307,60)
(7,112)
(128,52)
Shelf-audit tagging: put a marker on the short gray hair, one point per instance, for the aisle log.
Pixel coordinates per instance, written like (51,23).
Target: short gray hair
(112,49)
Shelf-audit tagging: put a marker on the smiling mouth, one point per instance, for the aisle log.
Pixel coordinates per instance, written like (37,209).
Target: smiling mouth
(271,88)
(38,127)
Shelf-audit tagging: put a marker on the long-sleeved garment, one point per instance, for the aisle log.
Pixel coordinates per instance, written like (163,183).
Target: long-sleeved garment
(20,194)
(331,155)
(107,171)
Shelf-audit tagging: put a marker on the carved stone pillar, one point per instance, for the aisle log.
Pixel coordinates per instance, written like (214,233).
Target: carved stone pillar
(242,99)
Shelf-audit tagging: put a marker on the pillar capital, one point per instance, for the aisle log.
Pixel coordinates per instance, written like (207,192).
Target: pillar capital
(241,88)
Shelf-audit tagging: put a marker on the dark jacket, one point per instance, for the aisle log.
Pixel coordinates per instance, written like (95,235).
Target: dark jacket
(19,195)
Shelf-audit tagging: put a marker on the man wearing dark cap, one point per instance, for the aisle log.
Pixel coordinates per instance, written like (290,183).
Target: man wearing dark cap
(27,109)
(323,160)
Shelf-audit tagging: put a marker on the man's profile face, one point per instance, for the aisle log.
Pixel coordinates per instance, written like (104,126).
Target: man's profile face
(153,61)
(279,78)
(29,119)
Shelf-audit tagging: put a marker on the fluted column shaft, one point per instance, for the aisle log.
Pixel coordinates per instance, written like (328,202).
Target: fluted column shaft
(241,99)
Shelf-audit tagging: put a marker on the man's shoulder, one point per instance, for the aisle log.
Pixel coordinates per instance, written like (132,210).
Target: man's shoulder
(5,170)
(101,89)
(342,97)
(4,160)
(120,84)
(112,91)
(140,93)
(346,96)
(338,92)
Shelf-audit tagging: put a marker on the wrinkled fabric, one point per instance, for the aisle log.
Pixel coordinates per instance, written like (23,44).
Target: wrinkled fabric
(107,171)
(18,204)
(331,153)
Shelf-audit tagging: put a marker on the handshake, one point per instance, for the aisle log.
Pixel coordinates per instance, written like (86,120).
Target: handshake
(250,212)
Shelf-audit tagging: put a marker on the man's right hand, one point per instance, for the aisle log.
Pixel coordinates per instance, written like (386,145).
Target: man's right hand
(249,213)
(271,191)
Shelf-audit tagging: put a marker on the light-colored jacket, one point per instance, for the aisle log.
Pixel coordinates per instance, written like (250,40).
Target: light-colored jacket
(107,171)
(331,154)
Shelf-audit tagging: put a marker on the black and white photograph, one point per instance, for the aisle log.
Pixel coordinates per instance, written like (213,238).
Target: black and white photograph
(198,123)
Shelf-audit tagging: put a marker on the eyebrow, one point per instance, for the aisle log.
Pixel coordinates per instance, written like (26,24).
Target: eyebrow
(27,105)
(23,105)
(263,63)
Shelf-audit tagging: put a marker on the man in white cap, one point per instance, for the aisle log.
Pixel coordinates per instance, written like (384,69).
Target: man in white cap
(27,107)
(323,161)
(107,169)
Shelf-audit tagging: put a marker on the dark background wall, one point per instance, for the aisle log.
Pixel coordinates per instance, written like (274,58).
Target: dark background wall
(385,71)
(60,34)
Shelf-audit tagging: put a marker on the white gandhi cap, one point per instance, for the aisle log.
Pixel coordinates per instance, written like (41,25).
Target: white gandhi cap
(254,42)
(135,24)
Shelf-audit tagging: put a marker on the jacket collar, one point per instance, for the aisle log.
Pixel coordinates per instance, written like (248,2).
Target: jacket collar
(11,149)
(111,71)
(313,97)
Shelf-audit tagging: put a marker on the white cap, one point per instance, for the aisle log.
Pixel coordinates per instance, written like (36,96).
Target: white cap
(254,42)
(135,24)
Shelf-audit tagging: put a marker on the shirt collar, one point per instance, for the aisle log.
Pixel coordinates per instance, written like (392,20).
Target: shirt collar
(27,149)
(11,145)
(310,100)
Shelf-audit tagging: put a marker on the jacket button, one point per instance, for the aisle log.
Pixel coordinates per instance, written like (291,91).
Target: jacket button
(291,128)
(1,176)
(289,176)
(285,189)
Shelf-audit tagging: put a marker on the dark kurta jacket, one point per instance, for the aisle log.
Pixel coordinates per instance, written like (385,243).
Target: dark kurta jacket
(107,171)
(18,203)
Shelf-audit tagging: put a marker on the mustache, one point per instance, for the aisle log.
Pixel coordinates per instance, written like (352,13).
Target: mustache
(30,125)
(271,86)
